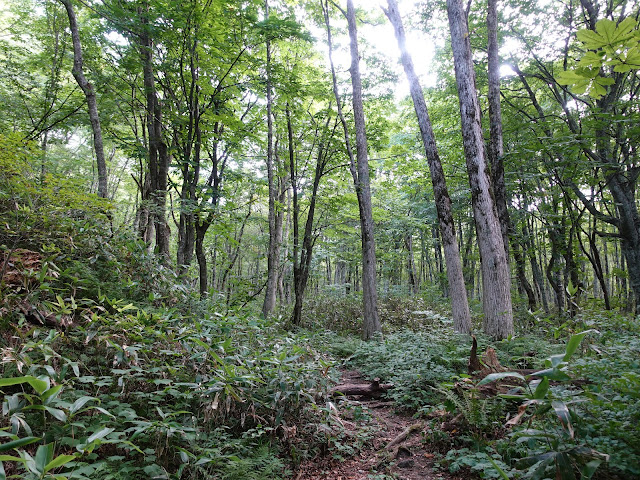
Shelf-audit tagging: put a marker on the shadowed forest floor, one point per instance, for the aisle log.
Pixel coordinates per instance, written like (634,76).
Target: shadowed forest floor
(379,421)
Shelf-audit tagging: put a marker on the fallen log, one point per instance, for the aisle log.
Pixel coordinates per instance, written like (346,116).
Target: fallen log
(373,389)
(404,435)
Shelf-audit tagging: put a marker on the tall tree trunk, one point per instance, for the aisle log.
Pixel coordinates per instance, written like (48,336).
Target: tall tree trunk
(495,148)
(273,252)
(496,284)
(458,291)
(157,148)
(414,280)
(359,166)
(371,321)
(90,95)
(302,251)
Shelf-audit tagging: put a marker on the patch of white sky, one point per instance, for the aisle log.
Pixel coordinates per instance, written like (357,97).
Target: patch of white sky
(380,37)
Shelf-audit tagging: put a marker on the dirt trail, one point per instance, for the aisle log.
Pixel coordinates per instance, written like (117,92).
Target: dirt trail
(407,460)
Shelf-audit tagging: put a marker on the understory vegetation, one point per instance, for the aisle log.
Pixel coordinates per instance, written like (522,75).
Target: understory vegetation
(114,368)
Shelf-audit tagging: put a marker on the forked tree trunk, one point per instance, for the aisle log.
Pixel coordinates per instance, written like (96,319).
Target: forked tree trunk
(458,292)
(496,284)
(90,95)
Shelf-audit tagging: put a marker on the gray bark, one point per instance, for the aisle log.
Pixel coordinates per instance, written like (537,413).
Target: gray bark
(496,284)
(459,303)
(371,321)
(90,95)
(359,166)
(495,148)
(275,234)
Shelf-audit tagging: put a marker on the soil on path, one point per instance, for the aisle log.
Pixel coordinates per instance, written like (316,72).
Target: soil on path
(409,461)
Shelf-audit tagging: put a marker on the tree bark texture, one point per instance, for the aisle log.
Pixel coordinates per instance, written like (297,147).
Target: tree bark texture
(371,321)
(459,303)
(275,234)
(157,148)
(359,167)
(302,251)
(496,146)
(496,284)
(90,95)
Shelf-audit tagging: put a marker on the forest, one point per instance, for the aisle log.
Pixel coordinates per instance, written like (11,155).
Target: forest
(319,239)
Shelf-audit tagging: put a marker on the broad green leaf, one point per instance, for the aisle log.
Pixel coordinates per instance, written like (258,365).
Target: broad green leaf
(589,468)
(18,443)
(10,458)
(552,374)
(56,413)
(607,30)
(497,376)
(44,455)
(3,475)
(541,389)
(79,403)
(555,360)
(58,462)
(591,39)
(568,77)
(38,385)
(564,467)
(591,59)
(562,411)
(574,342)
(52,392)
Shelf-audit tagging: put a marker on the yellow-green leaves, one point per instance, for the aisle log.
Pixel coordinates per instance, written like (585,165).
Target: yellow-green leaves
(612,47)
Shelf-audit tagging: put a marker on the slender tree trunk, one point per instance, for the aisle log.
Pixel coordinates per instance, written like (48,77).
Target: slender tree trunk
(371,321)
(458,292)
(496,283)
(273,252)
(90,95)
(495,148)
(414,280)
(157,148)
(359,167)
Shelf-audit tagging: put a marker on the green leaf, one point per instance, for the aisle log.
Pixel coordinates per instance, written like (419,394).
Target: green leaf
(56,413)
(38,384)
(79,403)
(497,376)
(52,392)
(607,30)
(44,455)
(100,434)
(564,467)
(58,462)
(589,468)
(541,389)
(10,458)
(568,77)
(18,443)
(94,440)
(574,342)
(3,475)
(591,39)
(552,374)
(562,411)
